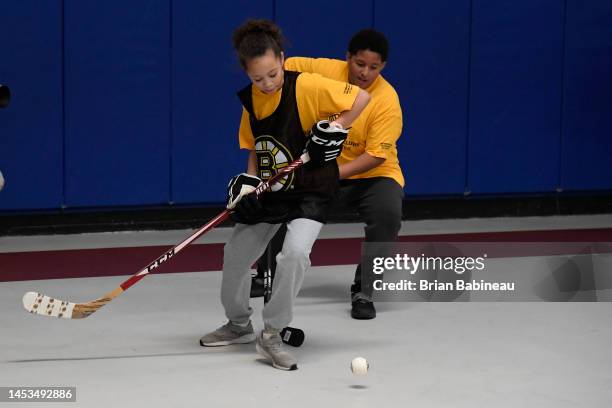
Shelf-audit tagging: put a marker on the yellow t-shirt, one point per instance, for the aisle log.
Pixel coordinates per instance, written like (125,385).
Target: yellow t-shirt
(317,98)
(377,128)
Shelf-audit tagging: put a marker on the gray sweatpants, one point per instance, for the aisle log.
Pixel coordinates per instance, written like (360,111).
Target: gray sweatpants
(245,246)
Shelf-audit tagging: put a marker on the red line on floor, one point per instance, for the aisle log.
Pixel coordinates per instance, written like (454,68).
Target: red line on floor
(78,263)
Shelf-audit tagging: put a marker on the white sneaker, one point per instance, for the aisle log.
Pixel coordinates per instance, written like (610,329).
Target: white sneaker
(270,345)
(227,334)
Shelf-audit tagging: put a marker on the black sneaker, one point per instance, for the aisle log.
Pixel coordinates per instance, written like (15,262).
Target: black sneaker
(363,309)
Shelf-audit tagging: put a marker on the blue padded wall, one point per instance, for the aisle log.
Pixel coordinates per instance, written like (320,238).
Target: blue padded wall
(206,111)
(117,98)
(515,96)
(586,161)
(428,66)
(134,103)
(322,28)
(31,145)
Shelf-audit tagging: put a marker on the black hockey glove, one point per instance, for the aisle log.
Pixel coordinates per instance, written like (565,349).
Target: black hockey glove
(325,142)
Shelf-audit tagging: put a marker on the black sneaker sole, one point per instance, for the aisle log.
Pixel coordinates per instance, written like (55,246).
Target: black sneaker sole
(361,317)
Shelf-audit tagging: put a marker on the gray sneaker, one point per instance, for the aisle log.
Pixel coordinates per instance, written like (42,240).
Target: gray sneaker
(227,334)
(269,345)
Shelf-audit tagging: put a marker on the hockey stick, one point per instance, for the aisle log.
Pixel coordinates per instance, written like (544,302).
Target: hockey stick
(38,303)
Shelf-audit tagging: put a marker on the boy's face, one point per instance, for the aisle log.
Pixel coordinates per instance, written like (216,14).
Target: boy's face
(266,71)
(364,67)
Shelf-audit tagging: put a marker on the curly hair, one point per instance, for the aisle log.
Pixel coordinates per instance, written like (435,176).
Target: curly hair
(255,37)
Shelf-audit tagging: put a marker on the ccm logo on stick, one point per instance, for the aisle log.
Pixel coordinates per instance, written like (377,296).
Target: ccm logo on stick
(161,260)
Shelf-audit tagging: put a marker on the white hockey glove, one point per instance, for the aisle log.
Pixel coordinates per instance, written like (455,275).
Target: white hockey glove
(239,186)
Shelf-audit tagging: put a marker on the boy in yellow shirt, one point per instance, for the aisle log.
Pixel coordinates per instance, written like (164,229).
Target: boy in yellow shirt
(371,177)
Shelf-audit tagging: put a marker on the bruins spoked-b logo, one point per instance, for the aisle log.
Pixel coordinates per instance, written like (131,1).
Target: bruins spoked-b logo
(272,156)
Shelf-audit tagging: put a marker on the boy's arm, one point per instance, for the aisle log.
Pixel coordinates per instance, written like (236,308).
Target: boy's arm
(347,117)
(361,164)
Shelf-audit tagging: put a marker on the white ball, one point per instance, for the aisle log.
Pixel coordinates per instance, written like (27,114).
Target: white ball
(359,366)
(1,181)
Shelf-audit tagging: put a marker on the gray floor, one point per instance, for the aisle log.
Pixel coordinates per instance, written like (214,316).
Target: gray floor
(142,349)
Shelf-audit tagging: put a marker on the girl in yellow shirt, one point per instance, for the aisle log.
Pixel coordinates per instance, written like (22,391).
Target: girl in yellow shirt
(279,109)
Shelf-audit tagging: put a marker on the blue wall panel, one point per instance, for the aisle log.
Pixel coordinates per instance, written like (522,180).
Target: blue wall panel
(31,145)
(133,103)
(587,111)
(322,28)
(515,98)
(428,65)
(117,98)
(206,110)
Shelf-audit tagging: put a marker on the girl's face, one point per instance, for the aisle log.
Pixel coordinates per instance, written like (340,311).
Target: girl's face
(266,71)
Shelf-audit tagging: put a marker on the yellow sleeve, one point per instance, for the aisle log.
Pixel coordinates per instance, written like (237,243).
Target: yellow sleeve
(299,64)
(329,68)
(385,130)
(321,98)
(245,134)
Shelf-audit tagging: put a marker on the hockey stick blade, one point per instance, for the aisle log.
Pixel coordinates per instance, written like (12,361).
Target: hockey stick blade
(41,304)
(38,303)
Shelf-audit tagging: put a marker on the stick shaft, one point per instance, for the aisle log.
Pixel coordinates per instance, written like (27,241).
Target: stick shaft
(39,303)
(210,225)
(175,250)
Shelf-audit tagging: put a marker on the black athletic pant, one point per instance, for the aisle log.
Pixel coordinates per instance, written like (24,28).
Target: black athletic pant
(378,201)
